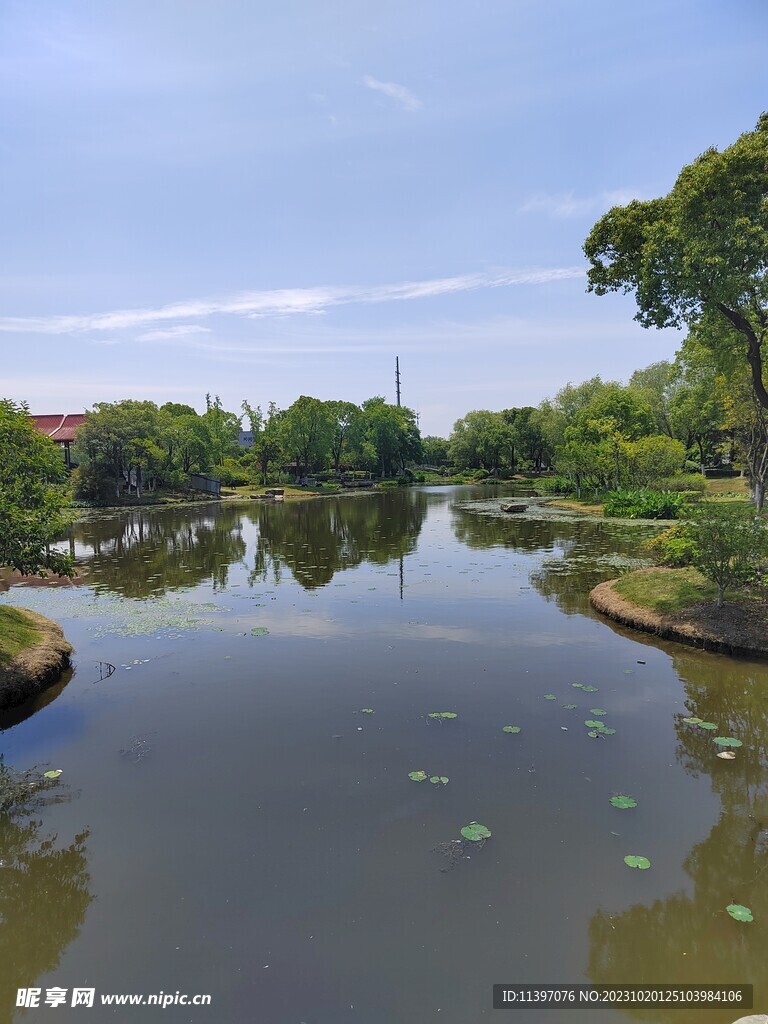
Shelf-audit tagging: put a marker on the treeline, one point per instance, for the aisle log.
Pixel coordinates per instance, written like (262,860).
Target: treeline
(671,418)
(135,445)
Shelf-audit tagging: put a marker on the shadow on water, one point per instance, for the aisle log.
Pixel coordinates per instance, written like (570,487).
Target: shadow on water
(44,885)
(688,937)
(20,712)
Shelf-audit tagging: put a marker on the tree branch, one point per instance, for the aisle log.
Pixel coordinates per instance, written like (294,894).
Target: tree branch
(754,352)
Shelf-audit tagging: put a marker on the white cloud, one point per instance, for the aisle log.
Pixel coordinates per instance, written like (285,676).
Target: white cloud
(566,204)
(275,303)
(180,331)
(399,93)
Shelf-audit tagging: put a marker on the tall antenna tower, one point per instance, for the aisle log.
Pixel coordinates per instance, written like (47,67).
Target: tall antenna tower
(397,378)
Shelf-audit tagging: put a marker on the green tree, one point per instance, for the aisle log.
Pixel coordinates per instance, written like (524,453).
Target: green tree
(389,436)
(346,422)
(728,542)
(32,497)
(699,252)
(223,429)
(655,385)
(653,458)
(434,451)
(307,430)
(482,440)
(119,443)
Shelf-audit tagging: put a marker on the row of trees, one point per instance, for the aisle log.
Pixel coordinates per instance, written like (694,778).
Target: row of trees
(133,444)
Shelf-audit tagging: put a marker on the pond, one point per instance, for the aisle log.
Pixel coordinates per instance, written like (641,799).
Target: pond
(231,821)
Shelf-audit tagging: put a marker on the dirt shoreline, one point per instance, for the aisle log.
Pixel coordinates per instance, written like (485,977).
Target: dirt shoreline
(734,629)
(39,666)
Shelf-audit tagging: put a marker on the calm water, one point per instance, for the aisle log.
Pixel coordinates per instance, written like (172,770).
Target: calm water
(233,824)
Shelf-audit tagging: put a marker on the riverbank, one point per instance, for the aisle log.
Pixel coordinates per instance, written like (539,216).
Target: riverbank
(33,654)
(678,604)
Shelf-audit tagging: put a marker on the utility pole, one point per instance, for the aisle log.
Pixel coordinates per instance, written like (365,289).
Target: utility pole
(397,378)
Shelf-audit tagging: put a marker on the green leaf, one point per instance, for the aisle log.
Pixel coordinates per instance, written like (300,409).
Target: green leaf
(511,728)
(549,696)
(593,724)
(637,862)
(739,912)
(726,741)
(443,714)
(597,711)
(569,707)
(592,734)
(259,631)
(435,778)
(578,686)
(475,832)
(589,689)
(444,779)
(624,802)
(608,732)
(53,774)
(693,721)
(707,725)
(417,776)
(367,711)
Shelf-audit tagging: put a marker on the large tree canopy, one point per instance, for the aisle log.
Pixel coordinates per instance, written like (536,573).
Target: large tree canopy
(699,252)
(32,500)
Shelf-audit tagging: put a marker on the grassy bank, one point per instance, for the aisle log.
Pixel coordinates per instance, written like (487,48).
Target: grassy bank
(17,634)
(679,604)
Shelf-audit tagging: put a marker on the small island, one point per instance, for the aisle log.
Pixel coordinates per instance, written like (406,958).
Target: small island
(33,654)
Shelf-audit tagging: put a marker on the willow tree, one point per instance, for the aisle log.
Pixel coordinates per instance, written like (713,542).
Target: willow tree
(700,252)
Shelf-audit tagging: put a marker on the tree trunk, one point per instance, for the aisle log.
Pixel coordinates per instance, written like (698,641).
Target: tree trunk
(720,595)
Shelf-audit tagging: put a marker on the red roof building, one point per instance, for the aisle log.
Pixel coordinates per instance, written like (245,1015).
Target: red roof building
(60,427)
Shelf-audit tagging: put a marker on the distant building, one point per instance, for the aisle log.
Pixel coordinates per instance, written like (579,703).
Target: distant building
(245,439)
(61,429)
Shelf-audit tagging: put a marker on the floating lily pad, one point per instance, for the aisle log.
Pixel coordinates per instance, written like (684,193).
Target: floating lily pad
(550,696)
(726,755)
(593,724)
(259,631)
(367,711)
(569,707)
(437,779)
(739,912)
(511,728)
(727,741)
(475,832)
(637,862)
(597,711)
(608,732)
(578,686)
(54,773)
(589,689)
(693,721)
(417,776)
(593,734)
(624,802)
(443,714)
(707,725)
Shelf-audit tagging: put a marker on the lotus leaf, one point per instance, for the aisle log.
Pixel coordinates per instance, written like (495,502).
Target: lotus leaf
(637,862)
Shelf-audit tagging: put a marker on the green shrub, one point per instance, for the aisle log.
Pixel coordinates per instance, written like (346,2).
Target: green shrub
(643,503)
(555,485)
(231,474)
(387,484)
(673,547)
(689,482)
(729,542)
(403,481)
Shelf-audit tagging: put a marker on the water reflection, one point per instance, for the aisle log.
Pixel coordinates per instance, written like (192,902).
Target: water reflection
(44,889)
(315,540)
(580,552)
(688,937)
(142,552)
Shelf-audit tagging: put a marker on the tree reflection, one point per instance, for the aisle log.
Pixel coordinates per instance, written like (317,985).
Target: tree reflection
(44,890)
(647,943)
(317,539)
(145,552)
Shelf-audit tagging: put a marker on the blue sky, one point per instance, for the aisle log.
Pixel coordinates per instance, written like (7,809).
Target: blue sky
(265,200)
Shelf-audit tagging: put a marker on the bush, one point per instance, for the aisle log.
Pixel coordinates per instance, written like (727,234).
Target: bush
(555,485)
(643,503)
(90,485)
(688,482)
(673,547)
(387,484)
(728,544)
(231,474)
(478,474)
(404,481)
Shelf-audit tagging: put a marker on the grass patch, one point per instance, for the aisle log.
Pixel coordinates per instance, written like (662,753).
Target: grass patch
(732,488)
(577,505)
(16,634)
(666,590)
